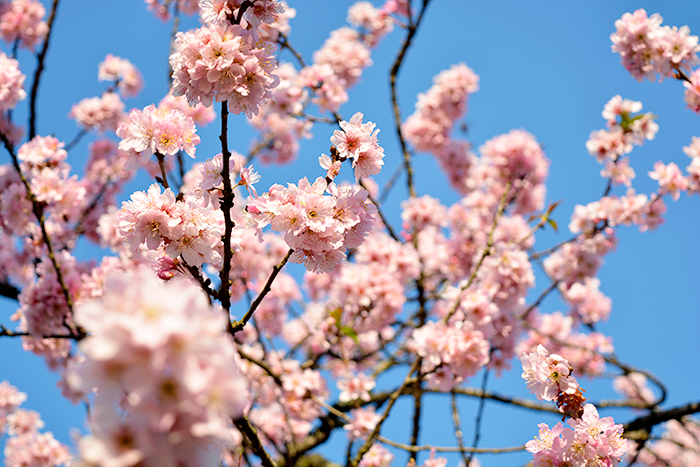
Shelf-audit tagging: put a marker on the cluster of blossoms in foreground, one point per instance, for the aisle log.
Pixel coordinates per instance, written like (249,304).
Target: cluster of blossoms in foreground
(590,440)
(168,381)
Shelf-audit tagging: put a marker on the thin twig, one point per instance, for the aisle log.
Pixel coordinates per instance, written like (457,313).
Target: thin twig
(238,325)
(393,76)
(458,428)
(381,214)
(479,415)
(284,42)
(429,447)
(41,57)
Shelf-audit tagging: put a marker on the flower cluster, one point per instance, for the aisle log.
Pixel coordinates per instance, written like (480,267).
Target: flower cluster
(648,49)
(358,141)
(11,83)
(591,440)
(693,151)
(375,22)
(631,209)
(318,227)
(121,71)
(160,7)
(99,113)
(25,445)
(429,127)
(155,130)
(556,331)
(168,379)
(23,21)
(178,227)
(450,354)
(223,62)
(346,55)
(625,127)
(634,387)
(517,158)
(225,11)
(547,376)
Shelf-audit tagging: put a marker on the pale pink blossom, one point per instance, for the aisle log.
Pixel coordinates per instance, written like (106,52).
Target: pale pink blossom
(670,179)
(648,49)
(363,421)
(122,72)
(200,114)
(547,375)
(155,130)
(141,327)
(634,387)
(345,54)
(223,62)
(11,83)
(377,456)
(355,387)
(23,20)
(100,113)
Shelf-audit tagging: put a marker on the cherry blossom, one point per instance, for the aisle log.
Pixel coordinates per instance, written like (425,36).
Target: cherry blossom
(11,83)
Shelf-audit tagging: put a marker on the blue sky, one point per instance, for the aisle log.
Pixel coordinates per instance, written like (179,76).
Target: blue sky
(545,67)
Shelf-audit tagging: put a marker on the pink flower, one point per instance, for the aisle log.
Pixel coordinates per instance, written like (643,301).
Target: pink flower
(153,130)
(11,82)
(221,62)
(23,21)
(670,179)
(547,375)
(345,54)
(127,77)
(358,141)
(249,177)
(363,422)
(355,387)
(99,113)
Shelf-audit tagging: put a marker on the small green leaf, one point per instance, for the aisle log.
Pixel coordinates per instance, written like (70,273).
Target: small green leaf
(336,314)
(350,332)
(553,223)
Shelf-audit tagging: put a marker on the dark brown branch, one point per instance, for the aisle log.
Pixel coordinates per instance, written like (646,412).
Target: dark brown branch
(226,203)
(251,434)
(539,300)
(646,422)
(164,176)
(39,70)
(8,290)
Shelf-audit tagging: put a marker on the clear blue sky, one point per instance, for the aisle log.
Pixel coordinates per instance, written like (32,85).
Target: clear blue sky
(546,67)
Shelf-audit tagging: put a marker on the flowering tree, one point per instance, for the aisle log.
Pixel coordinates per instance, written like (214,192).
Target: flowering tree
(194,341)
